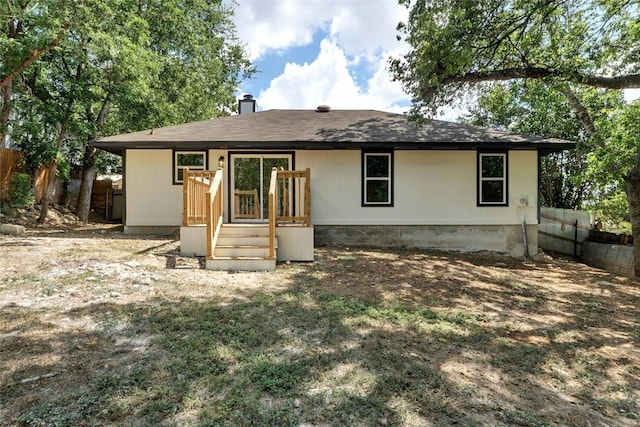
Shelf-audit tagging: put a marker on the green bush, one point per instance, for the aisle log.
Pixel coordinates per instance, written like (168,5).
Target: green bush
(20,191)
(63,169)
(4,207)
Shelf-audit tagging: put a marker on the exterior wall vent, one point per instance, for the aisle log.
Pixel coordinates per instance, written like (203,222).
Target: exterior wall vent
(247,105)
(323,109)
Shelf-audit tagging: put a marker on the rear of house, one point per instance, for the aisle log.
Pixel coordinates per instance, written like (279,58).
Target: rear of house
(375,179)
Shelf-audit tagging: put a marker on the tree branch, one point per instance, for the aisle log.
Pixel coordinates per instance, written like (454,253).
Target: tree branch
(624,81)
(579,108)
(25,64)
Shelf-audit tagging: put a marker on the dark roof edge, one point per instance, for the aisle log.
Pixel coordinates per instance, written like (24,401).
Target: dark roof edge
(543,146)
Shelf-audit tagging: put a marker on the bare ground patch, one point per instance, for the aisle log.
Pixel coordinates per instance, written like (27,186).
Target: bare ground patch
(101,328)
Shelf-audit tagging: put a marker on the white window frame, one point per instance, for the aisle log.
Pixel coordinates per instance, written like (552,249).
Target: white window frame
(503,178)
(177,167)
(366,179)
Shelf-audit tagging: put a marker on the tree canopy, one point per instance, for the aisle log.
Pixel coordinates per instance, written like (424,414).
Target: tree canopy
(457,45)
(589,176)
(111,66)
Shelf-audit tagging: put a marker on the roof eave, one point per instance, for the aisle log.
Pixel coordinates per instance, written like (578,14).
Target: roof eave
(544,147)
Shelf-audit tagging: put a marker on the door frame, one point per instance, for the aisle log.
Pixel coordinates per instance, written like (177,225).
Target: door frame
(231,180)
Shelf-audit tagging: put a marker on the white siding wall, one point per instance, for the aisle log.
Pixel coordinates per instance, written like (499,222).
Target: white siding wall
(430,188)
(151,197)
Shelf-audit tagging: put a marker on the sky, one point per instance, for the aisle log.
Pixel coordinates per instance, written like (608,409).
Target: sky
(326,52)
(322,52)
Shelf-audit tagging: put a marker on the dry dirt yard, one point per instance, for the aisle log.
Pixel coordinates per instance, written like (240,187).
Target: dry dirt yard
(102,328)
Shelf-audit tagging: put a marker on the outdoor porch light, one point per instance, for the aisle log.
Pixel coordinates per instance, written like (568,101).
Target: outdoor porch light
(221,162)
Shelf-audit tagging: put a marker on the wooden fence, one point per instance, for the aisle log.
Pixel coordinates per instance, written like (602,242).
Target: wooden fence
(9,163)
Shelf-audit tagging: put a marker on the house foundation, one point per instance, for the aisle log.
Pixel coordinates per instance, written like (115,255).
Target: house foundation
(162,230)
(506,239)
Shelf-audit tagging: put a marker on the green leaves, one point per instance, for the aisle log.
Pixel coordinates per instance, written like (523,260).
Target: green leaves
(457,44)
(119,66)
(619,152)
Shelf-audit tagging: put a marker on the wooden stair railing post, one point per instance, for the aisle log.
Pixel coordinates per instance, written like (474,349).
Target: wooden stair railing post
(214,212)
(185,197)
(256,204)
(272,213)
(307,198)
(210,225)
(284,196)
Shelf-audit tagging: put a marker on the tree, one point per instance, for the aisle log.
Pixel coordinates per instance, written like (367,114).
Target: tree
(33,28)
(461,46)
(183,64)
(122,66)
(615,163)
(532,107)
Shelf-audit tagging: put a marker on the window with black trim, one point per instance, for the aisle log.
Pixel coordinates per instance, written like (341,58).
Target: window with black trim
(377,179)
(193,160)
(492,179)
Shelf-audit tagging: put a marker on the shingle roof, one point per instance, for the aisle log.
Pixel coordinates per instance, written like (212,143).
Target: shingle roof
(337,129)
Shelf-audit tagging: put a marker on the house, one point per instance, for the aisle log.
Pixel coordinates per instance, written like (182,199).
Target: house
(364,177)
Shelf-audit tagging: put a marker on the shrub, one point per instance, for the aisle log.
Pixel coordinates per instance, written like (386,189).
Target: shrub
(20,191)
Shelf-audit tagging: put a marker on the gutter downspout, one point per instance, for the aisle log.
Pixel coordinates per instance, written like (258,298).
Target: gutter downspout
(524,231)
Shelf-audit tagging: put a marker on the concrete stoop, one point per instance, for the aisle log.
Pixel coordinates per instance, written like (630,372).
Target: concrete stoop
(241,264)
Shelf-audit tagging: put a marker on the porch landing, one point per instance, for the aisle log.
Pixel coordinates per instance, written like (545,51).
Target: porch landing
(245,247)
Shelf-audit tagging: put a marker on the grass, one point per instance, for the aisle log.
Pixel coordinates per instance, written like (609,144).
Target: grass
(469,350)
(241,365)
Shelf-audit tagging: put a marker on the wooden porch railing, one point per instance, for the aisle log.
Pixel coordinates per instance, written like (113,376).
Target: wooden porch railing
(195,185)
(293,197)
(289,201)
(246,204)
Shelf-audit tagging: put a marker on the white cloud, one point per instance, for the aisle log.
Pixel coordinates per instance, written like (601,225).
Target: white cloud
(328,80)
(350,69)
(362,30)
(272,26)
(309,85)
(361,27)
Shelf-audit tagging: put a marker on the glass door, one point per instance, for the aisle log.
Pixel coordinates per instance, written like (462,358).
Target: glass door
(251,177)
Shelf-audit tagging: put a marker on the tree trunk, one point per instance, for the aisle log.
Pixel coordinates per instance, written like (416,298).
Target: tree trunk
(89,163)
(86,186)
(632,188)
(53,172)
(6,110)
(579,108)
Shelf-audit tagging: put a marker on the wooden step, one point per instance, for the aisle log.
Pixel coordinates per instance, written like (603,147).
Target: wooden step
(244,229)
(246,240)
(241,249)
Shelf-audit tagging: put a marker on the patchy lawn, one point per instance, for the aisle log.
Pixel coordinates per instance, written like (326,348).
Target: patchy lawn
(99,328)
